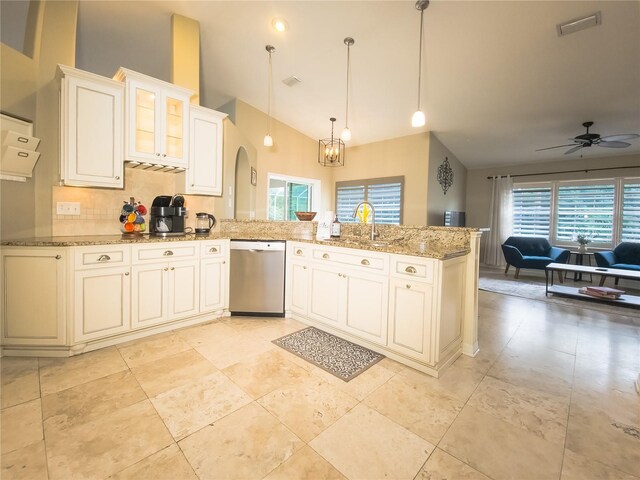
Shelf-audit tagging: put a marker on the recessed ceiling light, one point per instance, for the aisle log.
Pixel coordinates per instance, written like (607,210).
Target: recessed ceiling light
(280,24)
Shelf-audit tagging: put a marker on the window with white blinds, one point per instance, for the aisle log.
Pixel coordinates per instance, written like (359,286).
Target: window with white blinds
(532,211)
(385,194)
(631,212)
(585,208)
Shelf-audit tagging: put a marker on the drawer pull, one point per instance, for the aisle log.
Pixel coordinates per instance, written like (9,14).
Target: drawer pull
(166,268)
(104,258)
(325,255)
(167,253)
(339,274)
(298,252)
(23,140)
(23,154)
(408,286)
(58,257)
(173,268)
(410,269)
(213,250)
(223,262)
(304,268)
(365,262)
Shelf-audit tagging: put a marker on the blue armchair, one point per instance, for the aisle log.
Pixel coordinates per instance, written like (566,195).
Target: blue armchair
(532,252)
(626,256)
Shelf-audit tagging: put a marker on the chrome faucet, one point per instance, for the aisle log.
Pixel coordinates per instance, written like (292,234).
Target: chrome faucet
(374,234)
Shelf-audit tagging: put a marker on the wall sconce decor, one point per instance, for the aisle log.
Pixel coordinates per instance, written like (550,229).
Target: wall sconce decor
(445,175)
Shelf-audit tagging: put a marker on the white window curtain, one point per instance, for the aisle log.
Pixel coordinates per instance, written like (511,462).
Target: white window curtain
(500,220)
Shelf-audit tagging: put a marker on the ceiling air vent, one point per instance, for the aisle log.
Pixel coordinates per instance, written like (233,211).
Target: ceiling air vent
(291,81)
(579,24)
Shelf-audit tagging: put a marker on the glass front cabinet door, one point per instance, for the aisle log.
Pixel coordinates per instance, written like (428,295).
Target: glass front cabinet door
(157,113)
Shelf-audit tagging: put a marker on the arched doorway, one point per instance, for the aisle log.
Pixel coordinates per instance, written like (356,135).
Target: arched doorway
(242,197)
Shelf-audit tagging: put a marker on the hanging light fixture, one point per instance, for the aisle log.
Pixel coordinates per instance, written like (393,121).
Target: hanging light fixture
(331,150)
(418,119)
(268,141)
(346,133)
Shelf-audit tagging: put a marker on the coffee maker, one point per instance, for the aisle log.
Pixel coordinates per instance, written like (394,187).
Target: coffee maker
(167,216)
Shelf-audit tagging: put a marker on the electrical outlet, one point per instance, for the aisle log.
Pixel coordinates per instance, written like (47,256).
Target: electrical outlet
(68,208)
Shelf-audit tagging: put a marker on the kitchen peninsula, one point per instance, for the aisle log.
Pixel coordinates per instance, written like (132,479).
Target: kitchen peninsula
(412,295)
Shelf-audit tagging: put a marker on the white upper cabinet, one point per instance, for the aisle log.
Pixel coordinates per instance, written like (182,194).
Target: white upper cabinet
(156,120)
(91,114)
(204,174)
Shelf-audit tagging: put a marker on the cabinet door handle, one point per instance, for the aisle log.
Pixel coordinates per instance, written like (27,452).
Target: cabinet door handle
(126,274)
(325,255)
(213,250)
(23,154)
(223,262)
(23,140)
(164,154)
(365,262)
(167,253)
(104,258)
(339,274)
(172,268)
(157,154)
(410,269)
(58,257)
(408,286)
(193,184)
(298,252)
(117,178)
(166,268)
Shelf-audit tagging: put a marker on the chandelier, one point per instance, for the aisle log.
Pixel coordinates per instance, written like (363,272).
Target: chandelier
(331,150)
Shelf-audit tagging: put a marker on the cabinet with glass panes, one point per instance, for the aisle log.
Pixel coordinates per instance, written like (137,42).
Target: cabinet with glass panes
(157,120)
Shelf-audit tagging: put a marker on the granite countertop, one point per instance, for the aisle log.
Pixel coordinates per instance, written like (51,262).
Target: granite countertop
(440,252)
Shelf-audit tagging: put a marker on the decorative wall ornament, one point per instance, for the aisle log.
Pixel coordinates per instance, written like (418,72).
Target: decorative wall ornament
(445,175)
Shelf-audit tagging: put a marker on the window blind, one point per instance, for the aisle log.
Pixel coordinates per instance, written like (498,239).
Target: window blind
(631,212)
(585,209)
(532,211)
(385,194)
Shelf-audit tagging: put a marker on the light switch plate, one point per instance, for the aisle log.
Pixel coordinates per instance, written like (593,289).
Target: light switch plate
(68,208)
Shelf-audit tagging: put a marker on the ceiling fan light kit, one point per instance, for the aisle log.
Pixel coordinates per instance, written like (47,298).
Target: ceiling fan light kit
(589,139)
(419,119)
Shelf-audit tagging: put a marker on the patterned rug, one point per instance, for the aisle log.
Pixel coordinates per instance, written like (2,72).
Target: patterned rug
(339,357)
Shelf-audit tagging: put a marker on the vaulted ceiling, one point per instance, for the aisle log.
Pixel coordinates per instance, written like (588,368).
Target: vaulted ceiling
(498,82)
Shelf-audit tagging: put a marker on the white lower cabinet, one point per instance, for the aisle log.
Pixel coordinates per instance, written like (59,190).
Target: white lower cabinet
(299,288)
(410,318)
(365,310)
(34,293)
(325,294)
(213,285)
(101,302)
(162,292)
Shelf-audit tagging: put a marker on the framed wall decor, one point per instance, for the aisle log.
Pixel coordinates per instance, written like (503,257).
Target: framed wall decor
(254,176)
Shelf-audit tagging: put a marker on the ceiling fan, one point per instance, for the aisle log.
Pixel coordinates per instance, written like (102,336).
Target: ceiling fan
(589,139)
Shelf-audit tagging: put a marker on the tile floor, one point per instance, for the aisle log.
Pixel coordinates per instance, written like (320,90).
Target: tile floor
(550,396)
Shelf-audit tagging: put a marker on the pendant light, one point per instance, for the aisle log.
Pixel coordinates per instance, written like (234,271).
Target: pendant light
(418,119)
(346,133)
(268,141)
(331,150)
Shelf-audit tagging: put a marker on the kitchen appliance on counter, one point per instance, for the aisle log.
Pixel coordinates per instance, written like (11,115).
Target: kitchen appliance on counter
(167,216)
(204,223)
(256,278)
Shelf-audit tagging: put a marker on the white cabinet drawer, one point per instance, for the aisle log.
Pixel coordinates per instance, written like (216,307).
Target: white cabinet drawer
(101,256)
(165,251)
(415,268)
(21,141)
(300,250)
(374,261)
(212,249)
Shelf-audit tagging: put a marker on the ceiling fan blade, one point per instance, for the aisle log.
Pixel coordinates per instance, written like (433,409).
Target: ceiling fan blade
(574,149)
(557,146)
(580,140)
(615,138)
(614,144)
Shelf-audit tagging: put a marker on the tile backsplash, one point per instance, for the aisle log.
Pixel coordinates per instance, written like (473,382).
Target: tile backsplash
(100,207)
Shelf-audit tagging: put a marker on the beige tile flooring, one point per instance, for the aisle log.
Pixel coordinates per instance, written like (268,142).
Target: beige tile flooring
(550,396)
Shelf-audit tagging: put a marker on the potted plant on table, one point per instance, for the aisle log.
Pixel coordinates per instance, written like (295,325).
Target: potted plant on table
(583,240)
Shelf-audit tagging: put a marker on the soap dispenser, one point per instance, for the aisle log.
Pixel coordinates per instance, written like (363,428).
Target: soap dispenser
(336,227)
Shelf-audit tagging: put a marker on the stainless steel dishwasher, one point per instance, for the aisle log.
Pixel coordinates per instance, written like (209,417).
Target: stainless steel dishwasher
(257,278)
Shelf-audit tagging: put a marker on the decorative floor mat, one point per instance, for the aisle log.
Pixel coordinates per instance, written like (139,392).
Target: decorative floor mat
(339,357)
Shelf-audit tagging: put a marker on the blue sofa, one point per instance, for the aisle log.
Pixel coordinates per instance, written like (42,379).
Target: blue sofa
(532,252)
(626,256)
